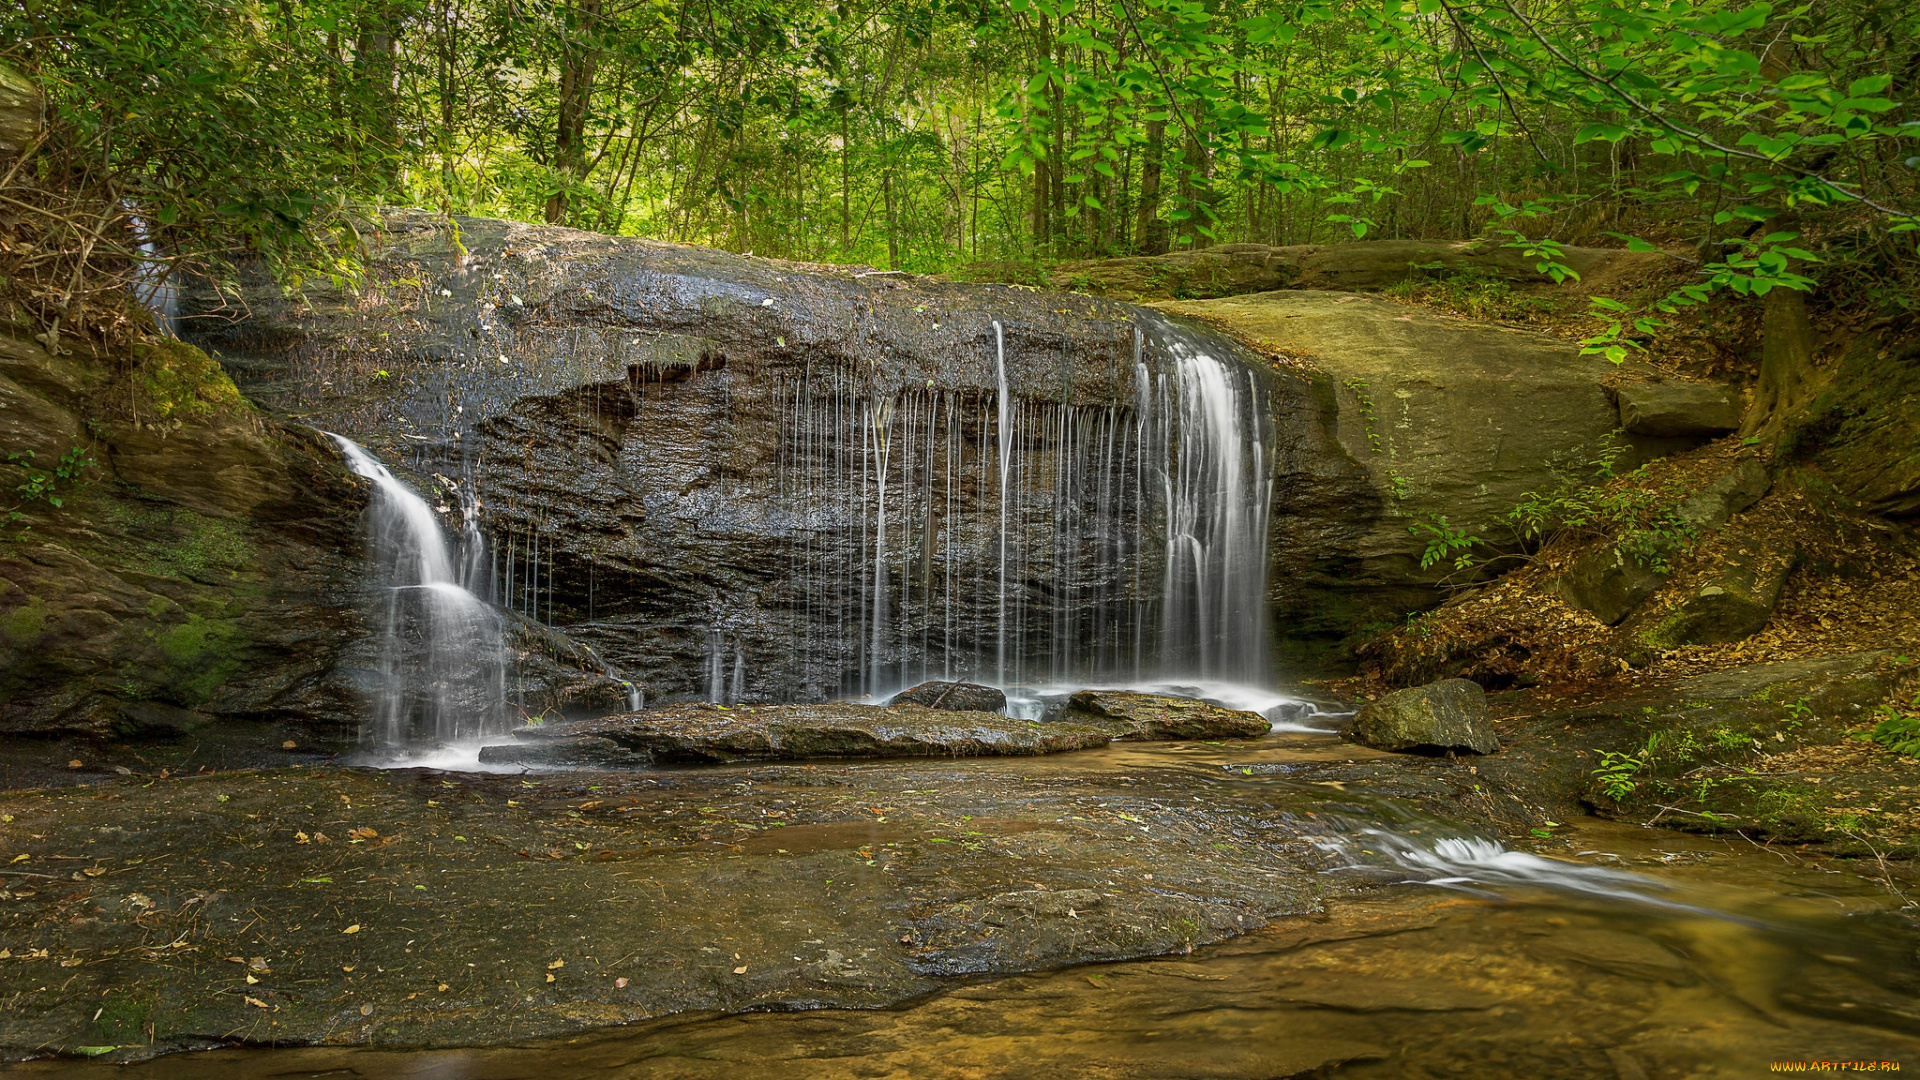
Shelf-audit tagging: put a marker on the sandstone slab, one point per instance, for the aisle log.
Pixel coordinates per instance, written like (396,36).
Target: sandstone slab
(1673,408)
(1138,717)
(713,734)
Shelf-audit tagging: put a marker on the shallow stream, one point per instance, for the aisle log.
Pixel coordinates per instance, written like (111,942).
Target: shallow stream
(1607,951)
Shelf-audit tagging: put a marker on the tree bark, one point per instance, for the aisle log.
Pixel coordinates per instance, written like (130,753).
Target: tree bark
(1149,232)
(579,56)
(1787,374)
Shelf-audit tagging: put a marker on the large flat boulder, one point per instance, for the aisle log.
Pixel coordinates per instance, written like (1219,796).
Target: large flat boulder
(714,734)
(1127,715)
(1443,716)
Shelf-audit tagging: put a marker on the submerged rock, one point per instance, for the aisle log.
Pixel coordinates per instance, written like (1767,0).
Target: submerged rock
(714,733)
(1447,715)
(1137,717)
(1671,408)
(957,696)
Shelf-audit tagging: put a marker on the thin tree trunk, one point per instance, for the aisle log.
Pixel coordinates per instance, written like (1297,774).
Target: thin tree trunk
(1150,233)
(579,56)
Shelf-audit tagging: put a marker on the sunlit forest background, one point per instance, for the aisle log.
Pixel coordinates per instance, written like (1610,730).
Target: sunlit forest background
(1771,145)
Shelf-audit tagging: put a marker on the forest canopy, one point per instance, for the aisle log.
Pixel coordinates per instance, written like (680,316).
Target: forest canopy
(1767,145)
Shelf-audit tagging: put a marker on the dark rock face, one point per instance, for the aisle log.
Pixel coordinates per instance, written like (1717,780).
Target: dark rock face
(963,697)
(1133,716)
(1732,492)
(1863,432)
(205,569)
(1447,715)
(742,480)
(708,733)
(1677,409)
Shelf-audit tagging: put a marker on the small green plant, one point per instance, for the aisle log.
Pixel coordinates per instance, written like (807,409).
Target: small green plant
(1396,485)
(52,487)
(1617,773)
(1897,731)
(1367,415)
(1444,541)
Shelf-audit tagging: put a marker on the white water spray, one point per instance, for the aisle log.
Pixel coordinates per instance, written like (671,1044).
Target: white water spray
(443,659)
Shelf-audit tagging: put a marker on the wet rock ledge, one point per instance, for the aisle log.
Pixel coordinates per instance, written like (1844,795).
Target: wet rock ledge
(706,733)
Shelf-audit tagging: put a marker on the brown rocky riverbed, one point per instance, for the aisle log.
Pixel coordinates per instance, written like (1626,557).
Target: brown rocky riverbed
(421,908)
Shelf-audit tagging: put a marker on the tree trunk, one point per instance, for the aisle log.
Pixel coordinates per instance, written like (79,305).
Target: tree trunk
(579,56)
(1787,374)
(1149,232)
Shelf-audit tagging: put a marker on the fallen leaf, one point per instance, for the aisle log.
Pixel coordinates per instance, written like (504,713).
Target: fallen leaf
(288,745)
(549,976)
(75,764)
(348,969)
(620,984)
(741,970)
(94,871)
(321,838)
(556,965)
(302,838)
(367,1009)
(354,929)
(19,859)
(257,1003)
(123,770)
(251,980)
(443,988)
(359,834)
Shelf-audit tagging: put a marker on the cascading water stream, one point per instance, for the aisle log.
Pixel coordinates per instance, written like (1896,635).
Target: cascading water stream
(443,669)
(1218,502)
(1025,541)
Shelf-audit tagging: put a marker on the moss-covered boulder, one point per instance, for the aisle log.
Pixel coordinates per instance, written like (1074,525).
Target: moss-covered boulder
(1445,716)
(1733,600)
(1862,433)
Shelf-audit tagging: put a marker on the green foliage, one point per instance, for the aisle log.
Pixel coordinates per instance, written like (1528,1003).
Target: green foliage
(1617,772)
(1368,418)
(1764,145)
(1646,523)
(51,487)
(1444,542)
(1897,730)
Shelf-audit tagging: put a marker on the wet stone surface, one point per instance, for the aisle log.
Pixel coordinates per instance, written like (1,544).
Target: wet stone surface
(705,733)
(418,908)
(1130,715)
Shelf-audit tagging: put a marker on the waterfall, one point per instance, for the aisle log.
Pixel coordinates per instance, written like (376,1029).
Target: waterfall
(1004,432)
(443,659)
(1218,496)
(982,535)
